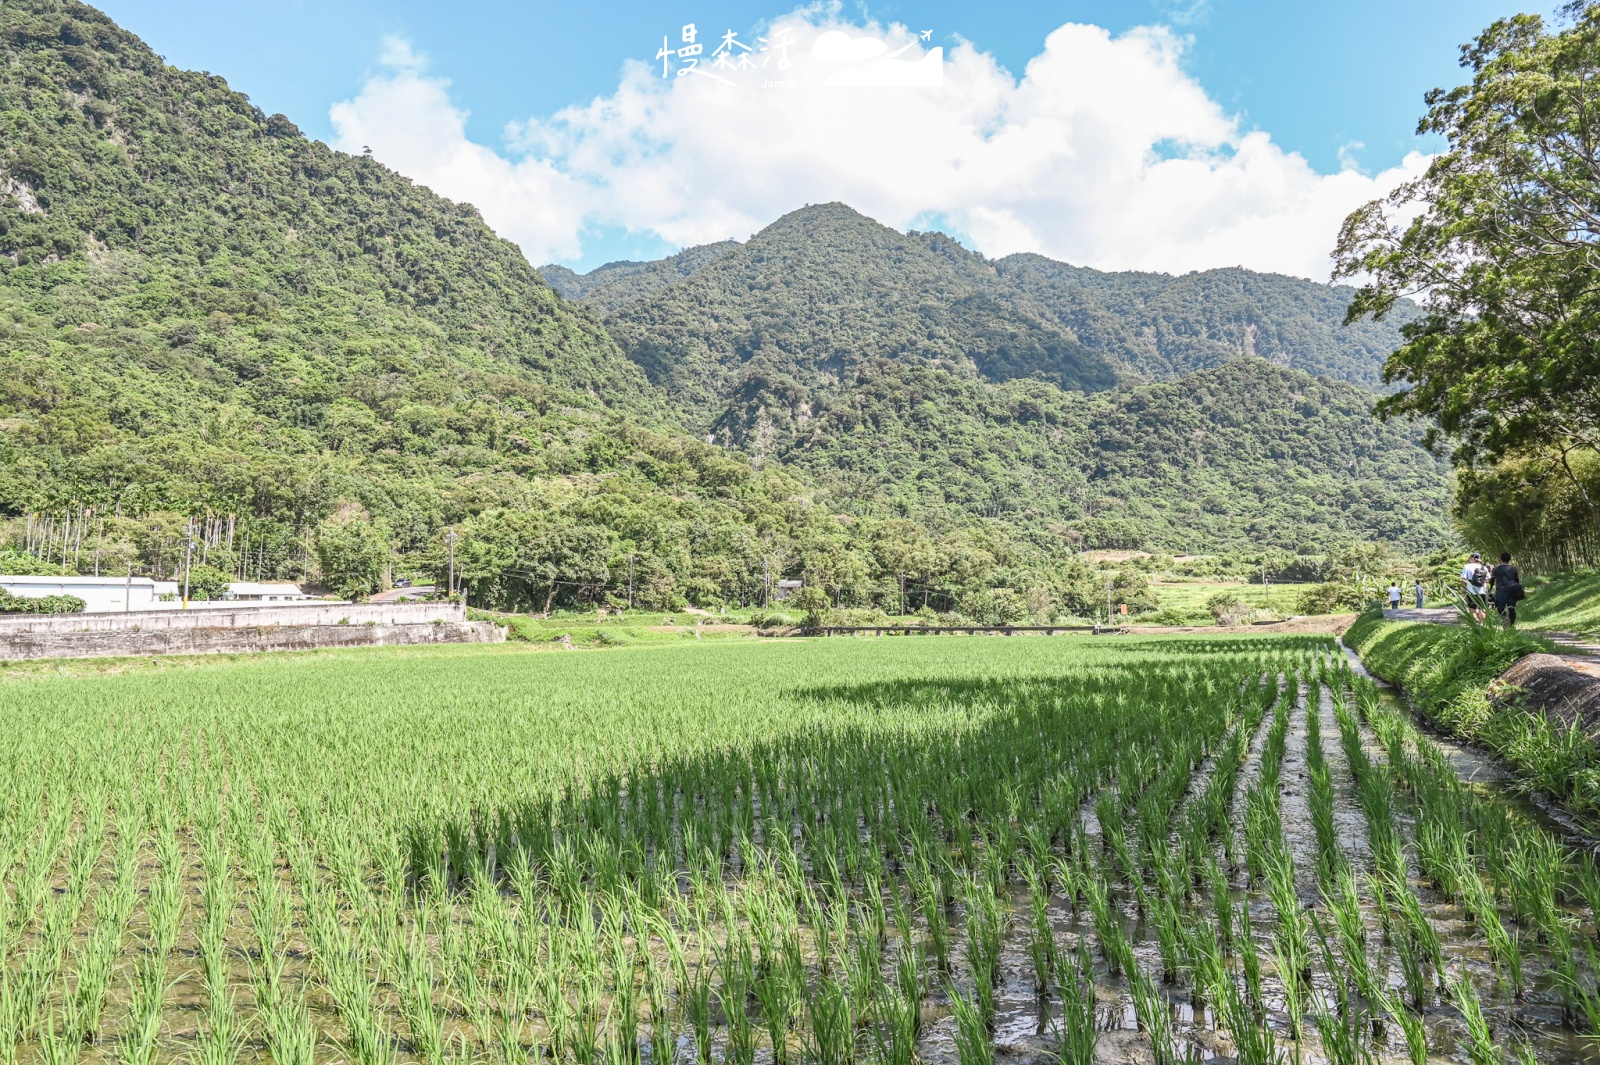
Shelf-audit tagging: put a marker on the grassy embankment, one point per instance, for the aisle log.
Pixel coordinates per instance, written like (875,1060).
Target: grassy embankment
(1447,670)
(1569,602)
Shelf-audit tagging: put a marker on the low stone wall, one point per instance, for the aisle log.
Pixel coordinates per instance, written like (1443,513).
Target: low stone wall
(239,639)
(242,617)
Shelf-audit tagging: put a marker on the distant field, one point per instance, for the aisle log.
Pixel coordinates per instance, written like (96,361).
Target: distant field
(1190,596)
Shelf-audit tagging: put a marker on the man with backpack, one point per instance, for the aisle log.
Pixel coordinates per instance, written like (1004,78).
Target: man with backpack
(1506,581)
(1475,576)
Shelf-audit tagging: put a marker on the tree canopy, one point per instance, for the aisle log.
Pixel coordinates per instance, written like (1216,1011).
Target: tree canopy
(1500,240)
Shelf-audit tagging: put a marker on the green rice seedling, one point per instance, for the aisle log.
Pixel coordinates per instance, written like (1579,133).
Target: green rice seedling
(287,1026)
(972,1031)
(1249,960)
(1292,932)
(61,1045)
(1154,1017)
(136,1045)
(223,1035)
(1294,992)
(1586,881)
(1078,1034)
(1341,1040)
(1254,1042)
(833,1029)
(898,1022)
(1169,922)
(1222,904)
(1113,942)
(1422,935)
(1536,867)
(1414,1028)
(1481,1046)
(414,983)
(1041,937)
(1482,908)
(777,994)
(1344,906)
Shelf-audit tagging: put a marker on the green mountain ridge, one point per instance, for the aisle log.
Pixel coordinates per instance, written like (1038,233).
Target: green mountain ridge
(707,309)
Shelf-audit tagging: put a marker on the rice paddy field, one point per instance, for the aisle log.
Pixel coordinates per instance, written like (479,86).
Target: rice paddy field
(802,852)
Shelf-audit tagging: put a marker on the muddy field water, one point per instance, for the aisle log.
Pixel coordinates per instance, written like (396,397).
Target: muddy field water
(1532,1022)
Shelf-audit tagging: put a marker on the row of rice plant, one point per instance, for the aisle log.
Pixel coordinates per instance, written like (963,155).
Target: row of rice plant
(826,853)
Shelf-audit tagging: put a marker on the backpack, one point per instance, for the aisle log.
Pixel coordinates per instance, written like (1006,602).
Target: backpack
(1480,574)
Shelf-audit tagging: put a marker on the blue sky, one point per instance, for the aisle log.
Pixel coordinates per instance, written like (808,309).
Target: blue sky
(1335,83)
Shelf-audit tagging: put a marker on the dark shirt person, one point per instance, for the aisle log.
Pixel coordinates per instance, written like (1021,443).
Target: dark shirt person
(1505,580)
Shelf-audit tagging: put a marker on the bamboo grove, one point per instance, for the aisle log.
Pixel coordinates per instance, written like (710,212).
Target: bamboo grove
(812,853)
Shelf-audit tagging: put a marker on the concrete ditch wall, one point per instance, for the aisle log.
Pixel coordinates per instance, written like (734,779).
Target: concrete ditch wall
(242,617)
(238,639)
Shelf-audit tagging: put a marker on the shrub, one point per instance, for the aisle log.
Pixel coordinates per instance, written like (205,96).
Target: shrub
(1227,608)
(1333,597)
(50,604)
(994,606)
(811,600)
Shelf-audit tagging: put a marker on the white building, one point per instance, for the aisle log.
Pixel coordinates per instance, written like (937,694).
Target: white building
(101,594)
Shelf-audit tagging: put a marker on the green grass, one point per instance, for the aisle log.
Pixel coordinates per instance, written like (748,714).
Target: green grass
(1569,602)
(1447,671)
(1189,597)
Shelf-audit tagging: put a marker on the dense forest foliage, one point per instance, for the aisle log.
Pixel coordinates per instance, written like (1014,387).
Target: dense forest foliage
(615,285)
(1244,456)
(824,289)
(222,339)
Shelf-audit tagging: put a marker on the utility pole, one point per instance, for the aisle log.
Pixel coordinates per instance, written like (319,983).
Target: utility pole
(127,591)
(630,580)
(902,595)
(1110,590)
(188,556)
(766,581)
(450,588)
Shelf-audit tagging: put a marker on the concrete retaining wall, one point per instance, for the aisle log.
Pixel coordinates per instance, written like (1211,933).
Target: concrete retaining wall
(239,639)
(242,617)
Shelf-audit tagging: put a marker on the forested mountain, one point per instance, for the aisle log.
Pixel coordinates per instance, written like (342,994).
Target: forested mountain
(204,315)
(1241,456)
(824,289)
(1158,326)
(615,285)
(209,321)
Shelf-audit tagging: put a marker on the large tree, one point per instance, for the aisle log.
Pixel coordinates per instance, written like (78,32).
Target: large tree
(1500,240)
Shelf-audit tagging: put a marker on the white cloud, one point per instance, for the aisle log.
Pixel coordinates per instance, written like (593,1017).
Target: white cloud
(1105,153)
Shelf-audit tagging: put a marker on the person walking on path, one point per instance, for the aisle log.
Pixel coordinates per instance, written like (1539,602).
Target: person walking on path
(1394,595)
(1418,590)
(1473,577)
(1506,580)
